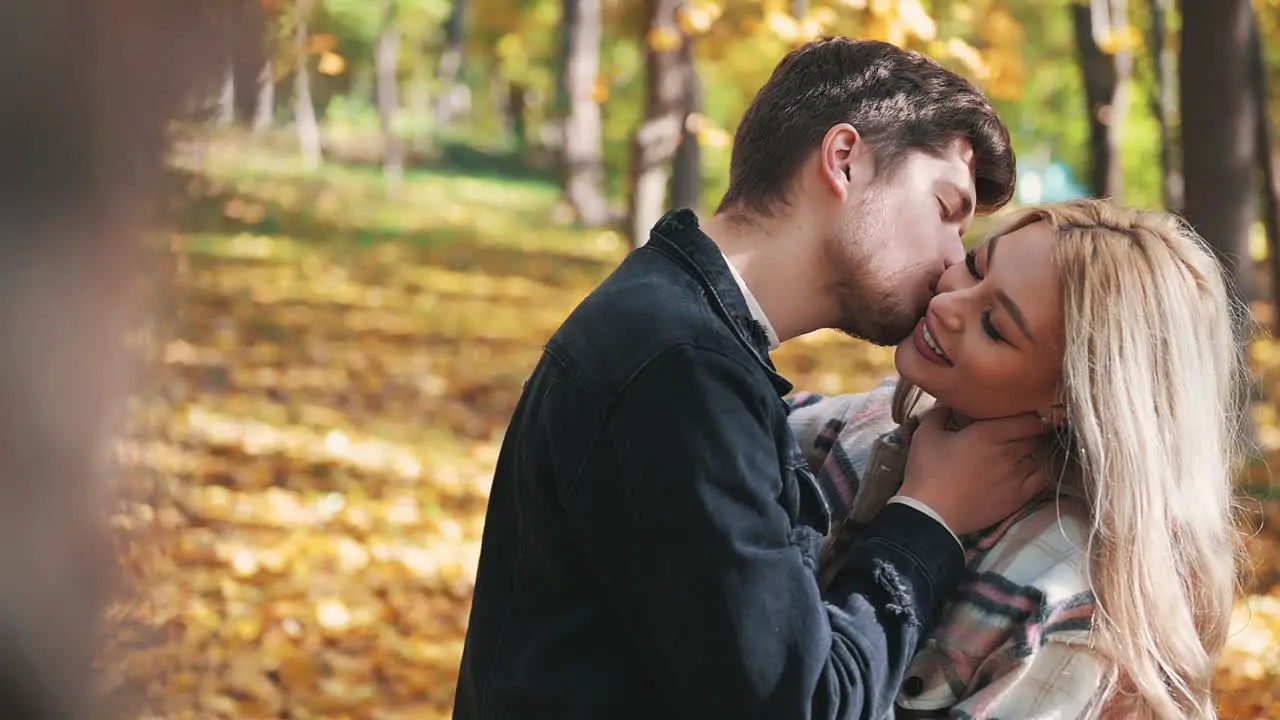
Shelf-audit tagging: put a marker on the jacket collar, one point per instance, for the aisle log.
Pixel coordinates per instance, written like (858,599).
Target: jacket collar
(679,236)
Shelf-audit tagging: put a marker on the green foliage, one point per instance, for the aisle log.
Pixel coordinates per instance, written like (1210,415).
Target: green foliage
(1021,51)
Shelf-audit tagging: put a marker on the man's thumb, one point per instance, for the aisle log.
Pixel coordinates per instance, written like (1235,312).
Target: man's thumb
(935,421)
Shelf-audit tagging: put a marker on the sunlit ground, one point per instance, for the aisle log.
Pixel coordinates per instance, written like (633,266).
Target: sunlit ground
(310,468)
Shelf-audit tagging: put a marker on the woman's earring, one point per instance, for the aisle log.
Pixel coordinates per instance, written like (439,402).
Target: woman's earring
(1056,415)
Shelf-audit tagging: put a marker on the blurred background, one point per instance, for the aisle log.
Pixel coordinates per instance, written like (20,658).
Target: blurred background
(386,207)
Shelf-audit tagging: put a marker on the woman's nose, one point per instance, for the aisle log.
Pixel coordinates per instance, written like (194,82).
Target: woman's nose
(948,305)
(948,308)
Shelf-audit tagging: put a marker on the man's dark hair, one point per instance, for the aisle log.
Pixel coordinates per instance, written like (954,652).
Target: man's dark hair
(899,101)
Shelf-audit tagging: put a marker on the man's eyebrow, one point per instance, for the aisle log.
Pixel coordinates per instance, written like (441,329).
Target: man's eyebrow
(1014,311)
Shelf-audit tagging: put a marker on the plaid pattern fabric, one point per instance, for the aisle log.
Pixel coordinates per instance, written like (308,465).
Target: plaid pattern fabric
(1014,642)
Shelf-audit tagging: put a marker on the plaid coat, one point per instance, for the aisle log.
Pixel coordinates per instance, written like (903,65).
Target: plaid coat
(1014,642)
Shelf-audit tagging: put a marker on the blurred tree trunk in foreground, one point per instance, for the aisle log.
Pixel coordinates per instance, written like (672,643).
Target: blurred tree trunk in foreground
(82,134)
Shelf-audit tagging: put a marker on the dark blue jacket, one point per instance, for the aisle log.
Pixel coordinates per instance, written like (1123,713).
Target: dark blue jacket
(653,529)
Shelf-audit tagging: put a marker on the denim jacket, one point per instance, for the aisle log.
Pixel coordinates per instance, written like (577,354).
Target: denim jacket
(652,532)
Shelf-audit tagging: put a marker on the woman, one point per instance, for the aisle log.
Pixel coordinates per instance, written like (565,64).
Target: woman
(1110,595)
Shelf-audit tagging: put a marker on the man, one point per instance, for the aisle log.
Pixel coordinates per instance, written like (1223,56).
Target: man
(652,531)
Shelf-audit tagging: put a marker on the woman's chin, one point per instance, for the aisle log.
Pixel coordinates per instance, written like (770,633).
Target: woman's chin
(919,372)
(911,367)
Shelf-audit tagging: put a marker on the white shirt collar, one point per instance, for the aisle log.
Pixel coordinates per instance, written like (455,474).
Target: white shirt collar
(757,312)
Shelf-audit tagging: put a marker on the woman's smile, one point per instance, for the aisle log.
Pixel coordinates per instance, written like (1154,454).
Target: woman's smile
(928,345)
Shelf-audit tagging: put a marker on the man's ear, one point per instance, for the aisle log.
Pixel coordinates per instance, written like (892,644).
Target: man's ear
(841,159)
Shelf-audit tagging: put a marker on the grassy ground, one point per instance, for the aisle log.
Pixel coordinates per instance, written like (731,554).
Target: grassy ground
(311,465)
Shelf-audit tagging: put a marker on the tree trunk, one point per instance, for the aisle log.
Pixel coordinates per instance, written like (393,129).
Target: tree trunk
(658,137)
(388,65)
(264,109)
(227,97)
(1268,162)
(800,8)
(419,102)
(517,106)
(451,59)
(1164,102)
(1219,130)
(1108,89)
(583,147)
(686,183)
(303,108)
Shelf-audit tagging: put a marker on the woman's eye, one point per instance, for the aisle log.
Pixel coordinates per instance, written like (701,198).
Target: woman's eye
(990,328)
(971,262)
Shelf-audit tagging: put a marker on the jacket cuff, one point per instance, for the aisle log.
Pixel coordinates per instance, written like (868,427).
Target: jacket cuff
(923,550)
(927,511)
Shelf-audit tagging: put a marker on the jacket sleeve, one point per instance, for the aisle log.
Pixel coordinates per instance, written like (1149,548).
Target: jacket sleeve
(677,511)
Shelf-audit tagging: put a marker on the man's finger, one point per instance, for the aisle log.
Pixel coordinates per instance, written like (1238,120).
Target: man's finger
(1008,429)
(1026,465)
(933,421)
(1036,483)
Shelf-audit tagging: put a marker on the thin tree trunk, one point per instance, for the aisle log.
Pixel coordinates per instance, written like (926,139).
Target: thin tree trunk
(1108,90)
(451,60)
(304,109)
(800,8)
(1268,162)
(388,64)
(227,97)
(518,114)
(1219,130)
(658,137)
(1164,102)
(264,109)
(686,184)
(419,102)
(583,146)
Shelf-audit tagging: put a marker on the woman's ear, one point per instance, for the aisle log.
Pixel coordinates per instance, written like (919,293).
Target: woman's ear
(1055,417)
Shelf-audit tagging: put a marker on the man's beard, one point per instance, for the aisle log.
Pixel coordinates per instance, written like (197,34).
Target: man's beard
(879,309)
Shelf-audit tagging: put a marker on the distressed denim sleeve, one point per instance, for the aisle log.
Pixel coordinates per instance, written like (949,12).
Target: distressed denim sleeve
(677,511)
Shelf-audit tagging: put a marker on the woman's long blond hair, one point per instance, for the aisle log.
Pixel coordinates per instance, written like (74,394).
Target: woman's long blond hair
(1153,378)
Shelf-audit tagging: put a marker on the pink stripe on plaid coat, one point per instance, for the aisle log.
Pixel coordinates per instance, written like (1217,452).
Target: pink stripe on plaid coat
(1014,643)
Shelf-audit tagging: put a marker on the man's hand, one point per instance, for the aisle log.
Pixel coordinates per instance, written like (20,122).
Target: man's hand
(979,475)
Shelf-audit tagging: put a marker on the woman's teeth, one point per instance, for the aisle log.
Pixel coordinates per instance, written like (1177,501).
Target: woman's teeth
(933,344)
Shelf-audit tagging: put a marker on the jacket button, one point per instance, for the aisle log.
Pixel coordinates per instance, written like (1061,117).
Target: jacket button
(913,686)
